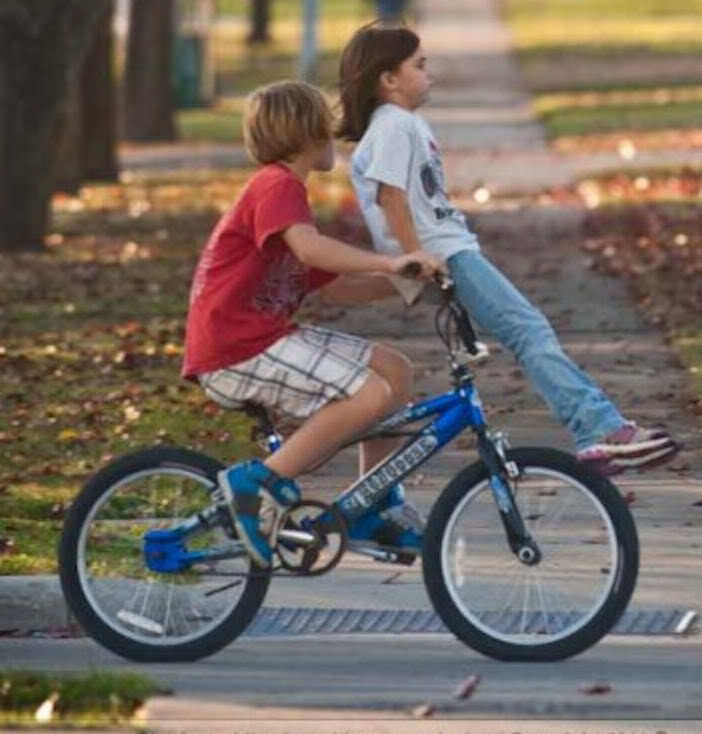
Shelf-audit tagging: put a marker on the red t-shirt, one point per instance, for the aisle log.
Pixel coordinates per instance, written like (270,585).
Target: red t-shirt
(248,282)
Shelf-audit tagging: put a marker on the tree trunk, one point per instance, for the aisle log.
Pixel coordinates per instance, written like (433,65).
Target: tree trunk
(87,147)
(98,106)
(260,18)
(68,149)
(148,92)
(42,44)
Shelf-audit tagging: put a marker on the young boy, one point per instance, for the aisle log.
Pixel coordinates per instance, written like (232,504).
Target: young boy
(262,258)
(399,181)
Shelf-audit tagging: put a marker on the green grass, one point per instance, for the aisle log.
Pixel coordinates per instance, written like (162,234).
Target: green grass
(221,124)
(91,339)
(566,121)
(95,700)
(286,9)
(600,25)
(688,344)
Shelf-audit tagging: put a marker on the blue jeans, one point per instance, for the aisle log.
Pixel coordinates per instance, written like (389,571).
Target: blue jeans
(499,308)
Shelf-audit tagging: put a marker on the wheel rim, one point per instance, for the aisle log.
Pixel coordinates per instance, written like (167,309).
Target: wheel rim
(531,605)
(162,609)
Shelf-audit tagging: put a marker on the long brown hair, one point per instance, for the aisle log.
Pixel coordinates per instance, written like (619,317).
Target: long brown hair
(372,50)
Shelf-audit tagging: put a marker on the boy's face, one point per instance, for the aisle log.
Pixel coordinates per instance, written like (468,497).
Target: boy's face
(409,84)
(322,156)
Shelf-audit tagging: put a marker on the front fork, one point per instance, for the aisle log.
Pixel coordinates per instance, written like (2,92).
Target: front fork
(492,450)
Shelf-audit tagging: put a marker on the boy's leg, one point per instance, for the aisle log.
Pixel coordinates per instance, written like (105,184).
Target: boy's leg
(581,405)
(323,433)
(320,436)
(394,522)
(313,372)
(397,370)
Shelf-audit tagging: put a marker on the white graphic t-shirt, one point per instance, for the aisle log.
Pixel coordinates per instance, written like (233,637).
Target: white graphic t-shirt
(399,149)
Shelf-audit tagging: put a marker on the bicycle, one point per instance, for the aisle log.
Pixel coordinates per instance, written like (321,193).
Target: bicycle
(152,568)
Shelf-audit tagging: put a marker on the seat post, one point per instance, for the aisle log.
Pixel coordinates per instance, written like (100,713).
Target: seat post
(264,425)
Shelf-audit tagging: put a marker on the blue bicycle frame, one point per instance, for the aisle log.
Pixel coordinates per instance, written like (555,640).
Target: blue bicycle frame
(454,411)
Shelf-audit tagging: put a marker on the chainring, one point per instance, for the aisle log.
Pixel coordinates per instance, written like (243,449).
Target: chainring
(328,526)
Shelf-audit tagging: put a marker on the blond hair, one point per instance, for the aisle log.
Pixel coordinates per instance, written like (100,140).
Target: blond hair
(282,118)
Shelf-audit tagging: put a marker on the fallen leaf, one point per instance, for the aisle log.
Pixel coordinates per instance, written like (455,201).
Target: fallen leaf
(466,688)
(596,689)
(424,711)
(68,434)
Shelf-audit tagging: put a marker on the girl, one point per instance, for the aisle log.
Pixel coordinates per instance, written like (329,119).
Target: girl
(397,173)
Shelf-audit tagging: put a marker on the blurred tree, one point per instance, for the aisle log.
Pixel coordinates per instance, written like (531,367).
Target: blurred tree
(260,21)
(149,105)
(98,105)
(42,47)
(87,150)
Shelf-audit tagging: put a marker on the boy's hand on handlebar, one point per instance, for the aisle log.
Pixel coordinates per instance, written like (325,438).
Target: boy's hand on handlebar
(418,265)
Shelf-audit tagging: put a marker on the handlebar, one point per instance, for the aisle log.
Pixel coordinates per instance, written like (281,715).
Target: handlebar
(477,350)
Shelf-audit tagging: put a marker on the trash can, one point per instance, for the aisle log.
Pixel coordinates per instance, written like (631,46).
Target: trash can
(188,70)
(390,9)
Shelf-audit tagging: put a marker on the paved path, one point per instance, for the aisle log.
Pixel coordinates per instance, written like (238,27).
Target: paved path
(478,103)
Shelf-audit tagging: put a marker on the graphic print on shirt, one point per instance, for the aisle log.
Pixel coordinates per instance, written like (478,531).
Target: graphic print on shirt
(433,183)
(283,286)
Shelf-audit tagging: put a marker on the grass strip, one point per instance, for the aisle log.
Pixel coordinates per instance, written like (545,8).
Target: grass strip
(96,699)
(612,117)
(604,24)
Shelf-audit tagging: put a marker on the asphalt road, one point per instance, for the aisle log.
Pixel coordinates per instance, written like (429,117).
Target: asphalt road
(376,684)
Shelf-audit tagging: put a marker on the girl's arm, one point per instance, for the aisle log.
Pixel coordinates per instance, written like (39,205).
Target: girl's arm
(394,203)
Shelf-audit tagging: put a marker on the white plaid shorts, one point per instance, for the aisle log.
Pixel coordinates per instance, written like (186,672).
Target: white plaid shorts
(297,375)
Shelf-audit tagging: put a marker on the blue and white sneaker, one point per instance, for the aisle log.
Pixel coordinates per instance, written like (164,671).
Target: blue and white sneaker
(395,525)
(243,486)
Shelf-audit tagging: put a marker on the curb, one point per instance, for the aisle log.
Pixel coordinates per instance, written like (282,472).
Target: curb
(31,604)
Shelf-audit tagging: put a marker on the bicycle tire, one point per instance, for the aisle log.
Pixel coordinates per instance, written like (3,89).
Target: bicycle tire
(84,573)
(538,639)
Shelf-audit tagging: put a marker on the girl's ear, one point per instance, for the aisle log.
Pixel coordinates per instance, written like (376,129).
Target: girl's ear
(386,81)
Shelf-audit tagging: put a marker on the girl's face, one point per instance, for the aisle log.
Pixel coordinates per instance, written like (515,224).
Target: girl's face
(408,85)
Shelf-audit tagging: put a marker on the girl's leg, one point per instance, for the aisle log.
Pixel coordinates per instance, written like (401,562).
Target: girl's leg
(498,307)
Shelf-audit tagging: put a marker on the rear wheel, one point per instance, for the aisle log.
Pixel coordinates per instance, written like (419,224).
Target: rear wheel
(555,608)
(128,607)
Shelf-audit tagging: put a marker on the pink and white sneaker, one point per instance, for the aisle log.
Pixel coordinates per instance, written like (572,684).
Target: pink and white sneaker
(630,447)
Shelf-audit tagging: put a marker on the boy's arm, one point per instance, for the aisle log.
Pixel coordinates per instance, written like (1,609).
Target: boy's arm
(352,289)
(326,253)
(394,203)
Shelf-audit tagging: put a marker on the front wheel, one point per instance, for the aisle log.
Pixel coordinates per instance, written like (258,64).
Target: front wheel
(555,608)
(136,608)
